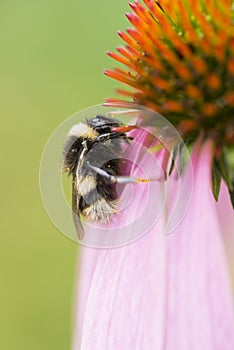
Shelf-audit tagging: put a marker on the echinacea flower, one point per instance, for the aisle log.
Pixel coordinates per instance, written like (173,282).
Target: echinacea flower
(167,292)
(179,60)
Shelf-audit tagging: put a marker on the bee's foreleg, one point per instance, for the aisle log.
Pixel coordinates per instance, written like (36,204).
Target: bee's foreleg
(109,136)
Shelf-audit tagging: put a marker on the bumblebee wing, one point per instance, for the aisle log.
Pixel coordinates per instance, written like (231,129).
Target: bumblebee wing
(75,208)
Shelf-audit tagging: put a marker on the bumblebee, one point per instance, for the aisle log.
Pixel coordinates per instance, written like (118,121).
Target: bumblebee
(93,157)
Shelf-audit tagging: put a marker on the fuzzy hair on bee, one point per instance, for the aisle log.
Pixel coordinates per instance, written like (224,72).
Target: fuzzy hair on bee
(93,156)
(94,179)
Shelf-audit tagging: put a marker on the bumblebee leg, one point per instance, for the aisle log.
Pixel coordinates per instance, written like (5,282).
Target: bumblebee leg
(128,179)
(102,172)
(111,135)
(120,179)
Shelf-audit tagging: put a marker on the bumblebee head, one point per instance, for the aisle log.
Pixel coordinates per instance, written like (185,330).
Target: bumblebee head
(98,125)
(104,125)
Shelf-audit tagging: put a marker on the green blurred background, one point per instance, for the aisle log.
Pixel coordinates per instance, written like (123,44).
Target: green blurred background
(52,61)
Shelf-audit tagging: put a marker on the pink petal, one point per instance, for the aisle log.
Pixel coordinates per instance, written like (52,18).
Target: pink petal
(200,307)
(124,307)
(226,218)
(161,292)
